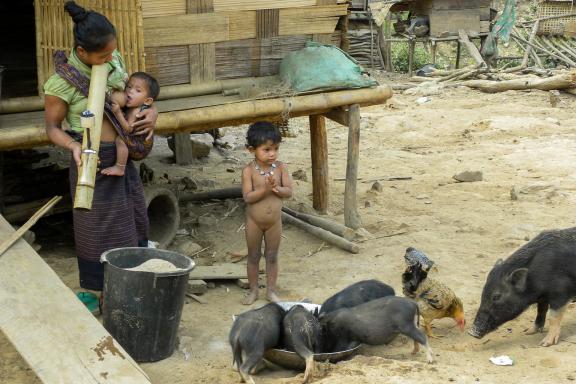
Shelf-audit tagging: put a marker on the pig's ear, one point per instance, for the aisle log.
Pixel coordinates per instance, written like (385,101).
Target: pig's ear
(518,279)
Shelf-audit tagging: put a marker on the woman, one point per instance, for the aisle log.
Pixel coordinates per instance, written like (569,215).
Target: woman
(118,217)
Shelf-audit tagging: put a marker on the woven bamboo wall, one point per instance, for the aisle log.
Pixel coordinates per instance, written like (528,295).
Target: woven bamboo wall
(190,41)
(555,8)
(54,31)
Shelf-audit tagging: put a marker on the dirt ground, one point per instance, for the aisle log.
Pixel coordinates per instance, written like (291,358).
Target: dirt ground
(515,138)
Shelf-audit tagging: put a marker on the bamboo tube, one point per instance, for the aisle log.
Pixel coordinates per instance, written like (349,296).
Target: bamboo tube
(217,116)
(91,142)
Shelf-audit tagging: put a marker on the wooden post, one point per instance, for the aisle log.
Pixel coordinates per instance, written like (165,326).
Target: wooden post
(433,48)
(458,55)
(319,152)
(183,149)
(351,216)
(411,47)
(387,36)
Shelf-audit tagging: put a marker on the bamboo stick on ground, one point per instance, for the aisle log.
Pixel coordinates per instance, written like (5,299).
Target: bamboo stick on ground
(329,225)
(322,234)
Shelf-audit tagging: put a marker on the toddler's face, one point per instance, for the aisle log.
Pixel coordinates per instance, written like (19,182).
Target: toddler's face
(266,153)
(137,93)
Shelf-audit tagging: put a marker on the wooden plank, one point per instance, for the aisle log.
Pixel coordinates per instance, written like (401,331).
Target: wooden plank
(310,20)
(472,49)
(228,271)
(247,5)
(323,38)
(169,65)
(155,8)
(319,154)
(185,29)
(351,216)
(455,4)
(54,332)
(484,14)
(202,62)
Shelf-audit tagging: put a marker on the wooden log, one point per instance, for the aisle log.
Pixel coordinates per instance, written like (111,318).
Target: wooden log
(322,234)
(563,81)
(91,141)
(351,216)
(329,225)
(319,153)
(182,149)
(472,49)
(200,119)
(59,339)
(218,194)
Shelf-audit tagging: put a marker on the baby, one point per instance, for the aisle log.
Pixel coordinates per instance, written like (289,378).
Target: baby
(139,94)
(265,182)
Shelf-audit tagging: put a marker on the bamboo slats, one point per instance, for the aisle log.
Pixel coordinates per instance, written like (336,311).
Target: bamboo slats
(249,5)
(310,20)
(54,31)
(191,41)
(185,29)
(155,8)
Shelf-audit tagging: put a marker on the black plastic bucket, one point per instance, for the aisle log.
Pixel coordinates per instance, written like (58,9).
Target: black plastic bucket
(142,310)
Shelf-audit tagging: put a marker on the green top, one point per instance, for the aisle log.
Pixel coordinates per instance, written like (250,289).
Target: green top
(57,86)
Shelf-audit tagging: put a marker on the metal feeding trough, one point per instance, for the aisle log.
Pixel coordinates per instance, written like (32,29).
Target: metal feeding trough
(291,360)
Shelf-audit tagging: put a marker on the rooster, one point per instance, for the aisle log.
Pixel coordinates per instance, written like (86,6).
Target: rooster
(434,299)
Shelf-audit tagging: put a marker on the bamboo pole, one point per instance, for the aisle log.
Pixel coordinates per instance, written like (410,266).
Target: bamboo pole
(36,103)
(91,143)
(217,116)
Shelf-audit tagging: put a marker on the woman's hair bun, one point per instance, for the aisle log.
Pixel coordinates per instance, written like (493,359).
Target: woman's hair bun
(75,11)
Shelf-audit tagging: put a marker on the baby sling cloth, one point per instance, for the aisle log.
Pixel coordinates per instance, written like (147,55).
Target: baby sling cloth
(138,146)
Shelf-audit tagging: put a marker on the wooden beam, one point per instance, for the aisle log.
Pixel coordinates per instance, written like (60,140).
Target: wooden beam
(33,134)
(319,152)
(58,337)
(339,115)
(351,216)
(472,49)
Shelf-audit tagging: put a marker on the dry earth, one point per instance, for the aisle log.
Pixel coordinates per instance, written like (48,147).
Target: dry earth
(515,138)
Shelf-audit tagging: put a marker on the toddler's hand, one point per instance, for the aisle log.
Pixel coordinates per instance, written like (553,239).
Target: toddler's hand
(115,107)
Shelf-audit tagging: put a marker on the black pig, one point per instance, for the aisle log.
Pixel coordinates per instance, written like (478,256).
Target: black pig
(303,335)
(355,294)
(542,272)
(252,333)
(375,322)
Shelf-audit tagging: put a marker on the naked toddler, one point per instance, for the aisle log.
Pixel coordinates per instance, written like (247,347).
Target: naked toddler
(265,182)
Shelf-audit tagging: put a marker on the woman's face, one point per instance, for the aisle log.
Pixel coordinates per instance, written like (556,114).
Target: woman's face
(97,57)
